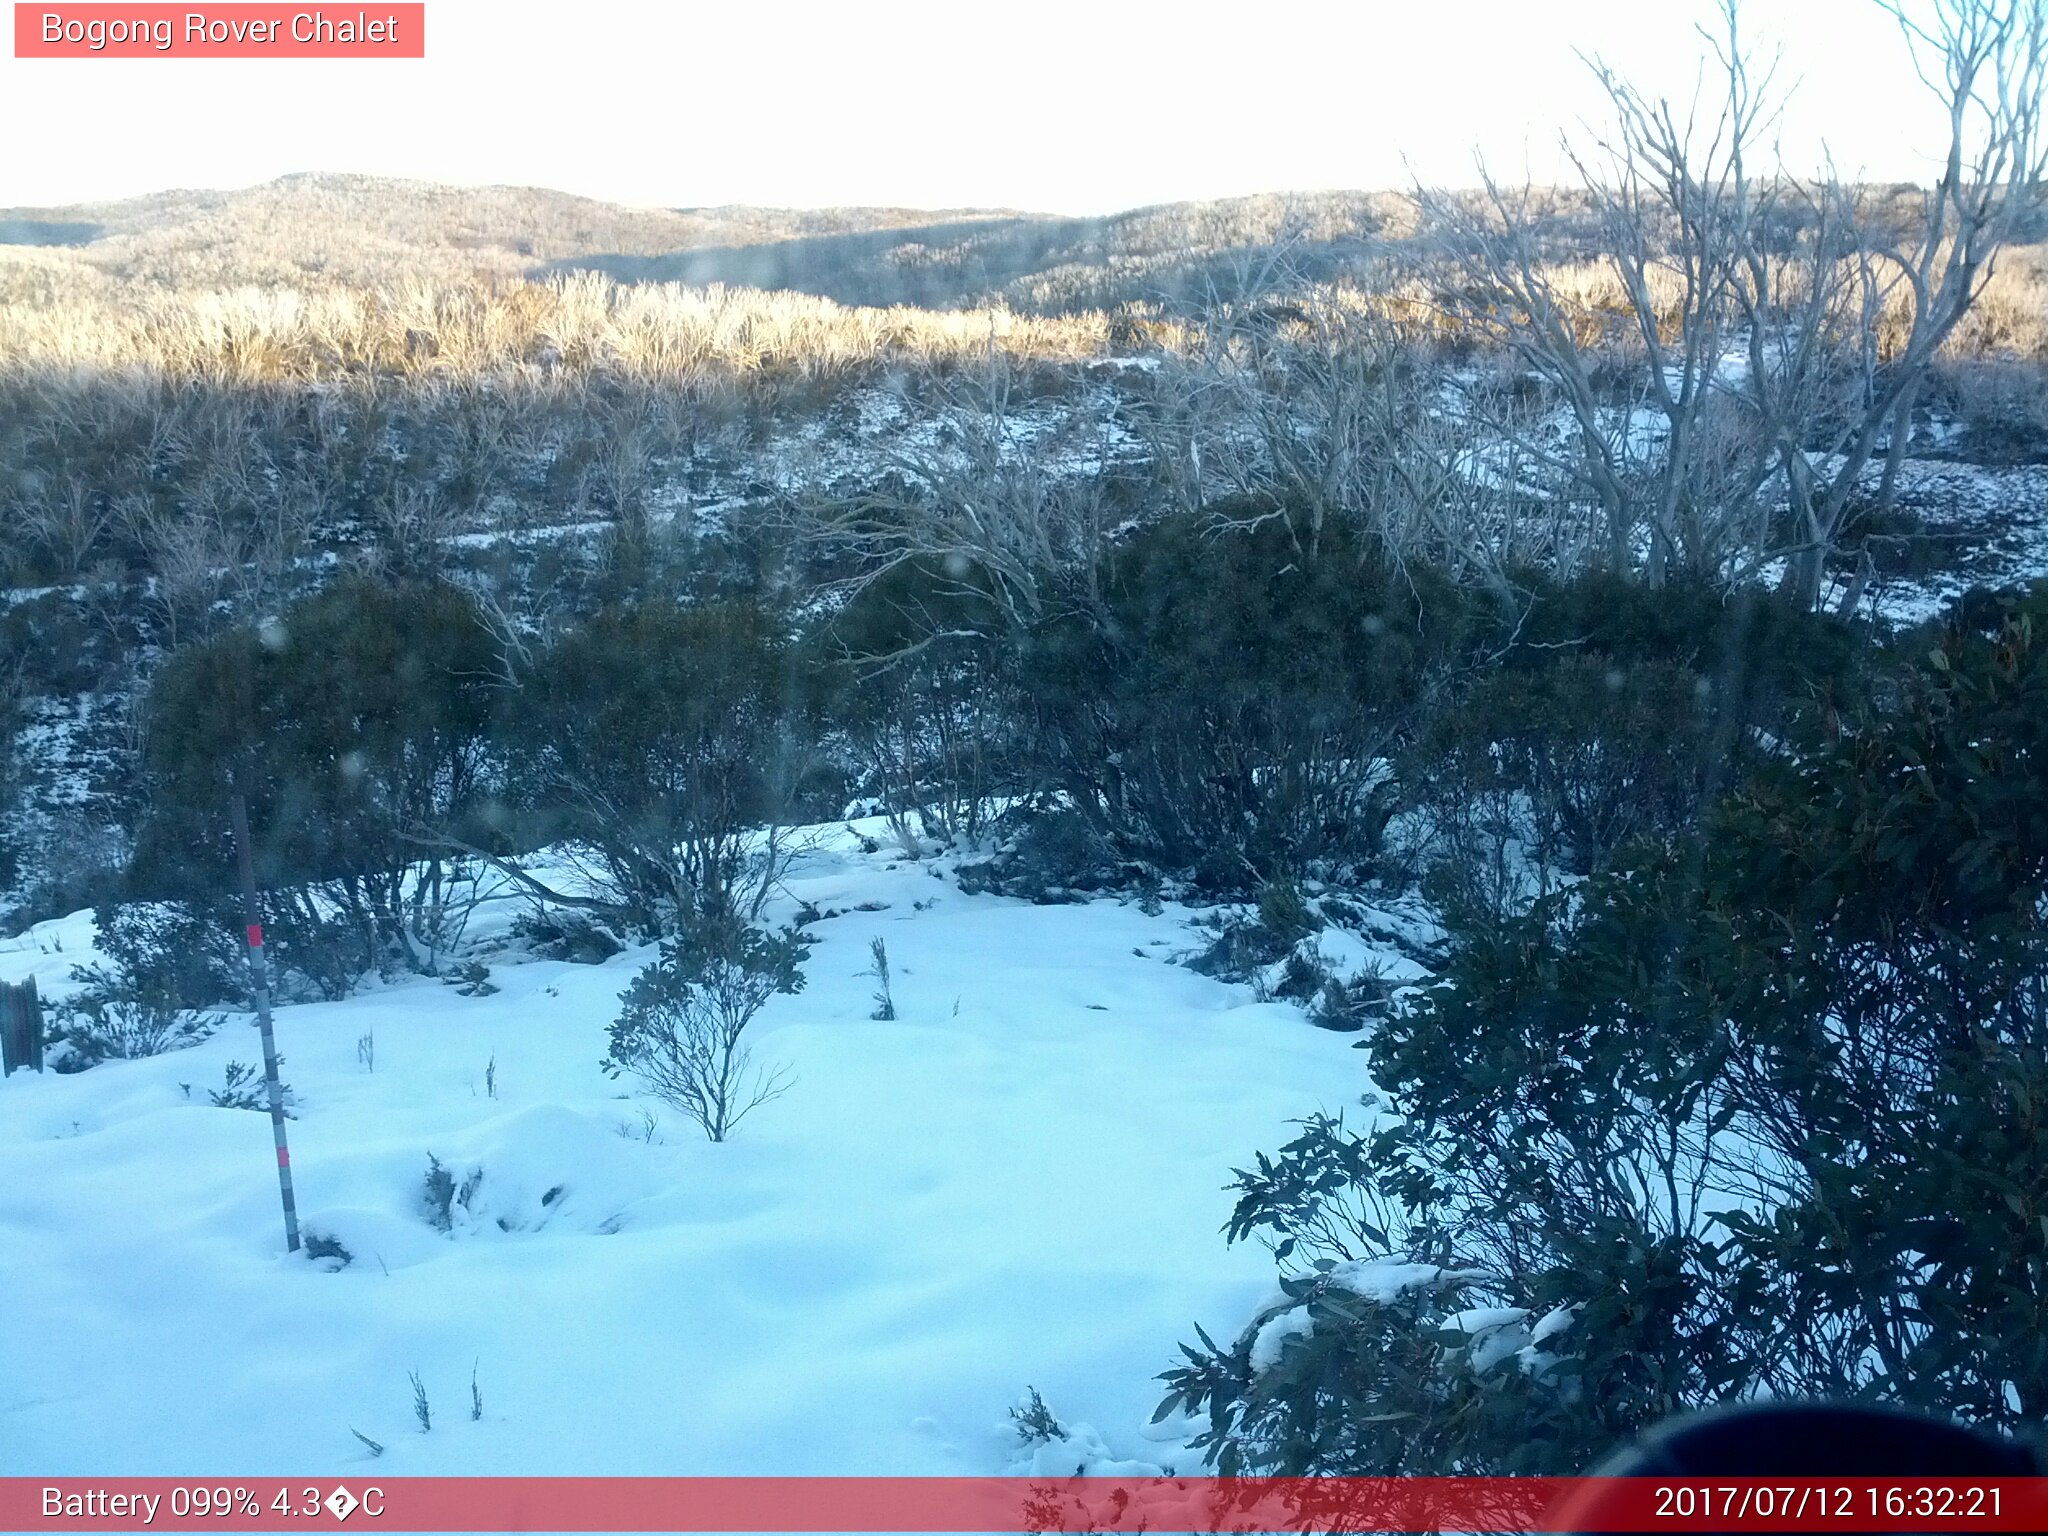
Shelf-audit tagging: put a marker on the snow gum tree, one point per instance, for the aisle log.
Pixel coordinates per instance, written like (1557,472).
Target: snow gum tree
(1731,380)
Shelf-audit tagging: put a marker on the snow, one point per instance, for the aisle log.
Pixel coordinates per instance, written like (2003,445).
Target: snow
(1996,519)
(1496,1333)
(1018,1182)
(1270,1342)
(1476,1320)
(1533,1357)
(1345,954)
(1385,1281)
(46,952)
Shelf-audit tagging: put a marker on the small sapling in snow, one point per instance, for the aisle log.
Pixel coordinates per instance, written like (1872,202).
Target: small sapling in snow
(682,1021)
(885,1005)
(1035,1422)
(421,1409)
(325,1246)
(437,1195)
(472,978)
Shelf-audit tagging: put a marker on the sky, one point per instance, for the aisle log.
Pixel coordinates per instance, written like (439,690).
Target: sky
(1048,105)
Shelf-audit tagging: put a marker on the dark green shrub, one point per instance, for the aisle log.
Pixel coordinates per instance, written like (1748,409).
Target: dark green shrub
(47,644)
(358,727)
(1302,978)
(927,703)
(1759,1113)
(1768,662)
(673,744)
(179,955)
(1617,713)
(1574,759)
(1285,914)
(1228,714)
(1055,855)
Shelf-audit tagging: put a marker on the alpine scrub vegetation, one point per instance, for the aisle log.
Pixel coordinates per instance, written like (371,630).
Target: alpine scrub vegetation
(1485,622)
(1759,1111)
(353,724)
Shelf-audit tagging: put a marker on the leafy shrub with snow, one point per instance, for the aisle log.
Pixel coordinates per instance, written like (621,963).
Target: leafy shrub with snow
(537,1169)
(1376,1368)
(1034,1422)
(1050,1448)
(1759,1115)
(327,1250)
(128,1029)
(472,978)
(177,955)
(1244,944)
(440,1196)
(682,1023)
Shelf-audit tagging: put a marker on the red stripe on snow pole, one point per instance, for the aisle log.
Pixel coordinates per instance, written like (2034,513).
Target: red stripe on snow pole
(255,932)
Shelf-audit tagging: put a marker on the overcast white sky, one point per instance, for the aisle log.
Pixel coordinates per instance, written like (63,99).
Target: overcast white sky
(1042,104)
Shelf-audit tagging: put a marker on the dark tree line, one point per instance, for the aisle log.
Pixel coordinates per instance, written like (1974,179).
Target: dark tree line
(1225,709)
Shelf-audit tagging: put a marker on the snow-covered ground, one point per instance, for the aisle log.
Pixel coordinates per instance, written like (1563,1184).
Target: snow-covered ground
(1990,523)
(1019,1182)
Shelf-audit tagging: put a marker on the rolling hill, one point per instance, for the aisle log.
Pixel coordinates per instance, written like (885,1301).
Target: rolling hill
(310,230)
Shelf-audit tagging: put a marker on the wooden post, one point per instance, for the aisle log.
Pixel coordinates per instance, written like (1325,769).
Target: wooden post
(259,983)
(21,1027)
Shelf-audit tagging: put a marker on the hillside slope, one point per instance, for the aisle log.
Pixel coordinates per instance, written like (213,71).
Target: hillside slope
(367,229)
(362,230)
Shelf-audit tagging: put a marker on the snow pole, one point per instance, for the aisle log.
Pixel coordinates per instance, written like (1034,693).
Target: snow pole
(259,983)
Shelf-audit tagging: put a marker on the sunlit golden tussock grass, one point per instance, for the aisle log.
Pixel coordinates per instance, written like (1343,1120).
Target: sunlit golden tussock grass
(59,315)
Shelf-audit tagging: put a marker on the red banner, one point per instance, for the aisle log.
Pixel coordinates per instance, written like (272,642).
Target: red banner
(1011,1504)
(234,31)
